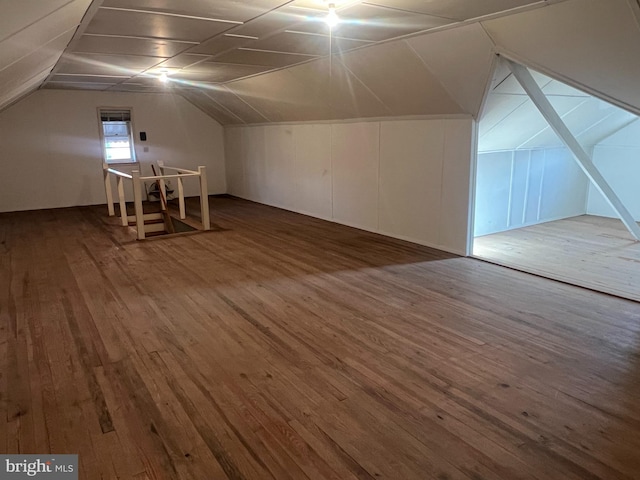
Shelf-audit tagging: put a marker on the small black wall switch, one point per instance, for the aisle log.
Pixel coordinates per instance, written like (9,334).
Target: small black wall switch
(143,136)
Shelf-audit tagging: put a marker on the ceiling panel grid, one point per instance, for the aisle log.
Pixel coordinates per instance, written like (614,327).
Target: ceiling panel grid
(268,60)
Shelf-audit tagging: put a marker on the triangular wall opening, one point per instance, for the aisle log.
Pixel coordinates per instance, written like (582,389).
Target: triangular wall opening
(535,209)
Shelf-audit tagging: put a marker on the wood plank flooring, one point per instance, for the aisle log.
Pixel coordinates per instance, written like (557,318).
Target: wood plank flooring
(593,252)
(284,347)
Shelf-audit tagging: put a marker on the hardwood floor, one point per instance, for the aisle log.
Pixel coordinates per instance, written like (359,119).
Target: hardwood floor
(285,347)
(589,251)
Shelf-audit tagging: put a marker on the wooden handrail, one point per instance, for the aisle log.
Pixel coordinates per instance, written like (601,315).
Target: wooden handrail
(161,177)
(119,173)
(137,193)
(180,170)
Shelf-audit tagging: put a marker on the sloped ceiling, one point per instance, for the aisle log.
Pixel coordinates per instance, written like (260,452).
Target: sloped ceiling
(510,120)
(239,59)
(255,61)
(33,35)
(593,44)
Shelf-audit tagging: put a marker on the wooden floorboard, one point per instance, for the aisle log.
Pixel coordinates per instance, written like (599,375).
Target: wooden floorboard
(593,252)
(284,347)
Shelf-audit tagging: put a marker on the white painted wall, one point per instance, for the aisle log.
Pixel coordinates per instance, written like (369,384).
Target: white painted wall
(405,179)
(525,187)
(51,156)
(618,159)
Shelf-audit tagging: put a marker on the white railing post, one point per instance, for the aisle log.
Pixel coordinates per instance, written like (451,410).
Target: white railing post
(123,203)
(204,198)
(107,189)
(137,200)
(162,192)
(183,213)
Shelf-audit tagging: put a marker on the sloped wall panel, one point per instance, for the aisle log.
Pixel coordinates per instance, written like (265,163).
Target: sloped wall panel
(16,78)
(399,78)
(461,59)
(381,81)
(593,43)
(33,35)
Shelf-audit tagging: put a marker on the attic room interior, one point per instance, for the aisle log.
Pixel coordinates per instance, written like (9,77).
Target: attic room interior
(413,248)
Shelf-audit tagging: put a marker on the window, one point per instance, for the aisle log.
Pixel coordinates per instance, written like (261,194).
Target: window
(117,138)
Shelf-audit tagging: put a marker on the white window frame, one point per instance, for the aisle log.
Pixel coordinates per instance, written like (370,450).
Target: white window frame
(129,161)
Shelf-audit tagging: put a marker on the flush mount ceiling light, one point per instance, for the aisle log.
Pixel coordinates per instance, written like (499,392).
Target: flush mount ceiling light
(332,18)
(163,77)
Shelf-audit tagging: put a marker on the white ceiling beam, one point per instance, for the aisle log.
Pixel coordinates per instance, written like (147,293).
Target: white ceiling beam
(539,99)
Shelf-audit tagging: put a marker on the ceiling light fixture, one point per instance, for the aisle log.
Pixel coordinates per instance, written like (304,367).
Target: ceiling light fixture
(163,77)
(332,18)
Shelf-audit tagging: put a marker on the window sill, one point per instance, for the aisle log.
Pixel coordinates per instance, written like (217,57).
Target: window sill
(122,164)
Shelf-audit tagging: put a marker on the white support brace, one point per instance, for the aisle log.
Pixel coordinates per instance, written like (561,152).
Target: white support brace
(540,100)
(204,199)
(107,189)
(183,212)
(137,201)
(123,203)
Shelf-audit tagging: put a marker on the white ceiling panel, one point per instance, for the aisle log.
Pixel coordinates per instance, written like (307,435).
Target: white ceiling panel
(259,57)
(227,99)
(496,108)
(8,97)
(210,107)
(594,43)
(138,24)
(590,121)
(220,44)
(88,79)
(455,9)
(397,76)
(323,5)
(130,46)
(43,59)
(17,15)
(555,87)
(218,72)
(306,43)
(271,22)
(89,64)
(183,60)
(135,87)
(279,96)
(461,59)
(346,95)
(511,86)
(237,10)
(41,32)
(373,23)
(77,85)
(512,121)
(147,81)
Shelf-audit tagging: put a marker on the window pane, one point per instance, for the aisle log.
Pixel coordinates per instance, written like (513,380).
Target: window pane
(116,136)
(113,129)
(118,153)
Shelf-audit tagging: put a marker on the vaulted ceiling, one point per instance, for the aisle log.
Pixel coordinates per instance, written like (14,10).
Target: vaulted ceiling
(204,45)
(511,121)
(256,61)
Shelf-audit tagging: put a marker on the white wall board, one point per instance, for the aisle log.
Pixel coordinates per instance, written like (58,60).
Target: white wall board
(404,178)
(51,156)
(525,187)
